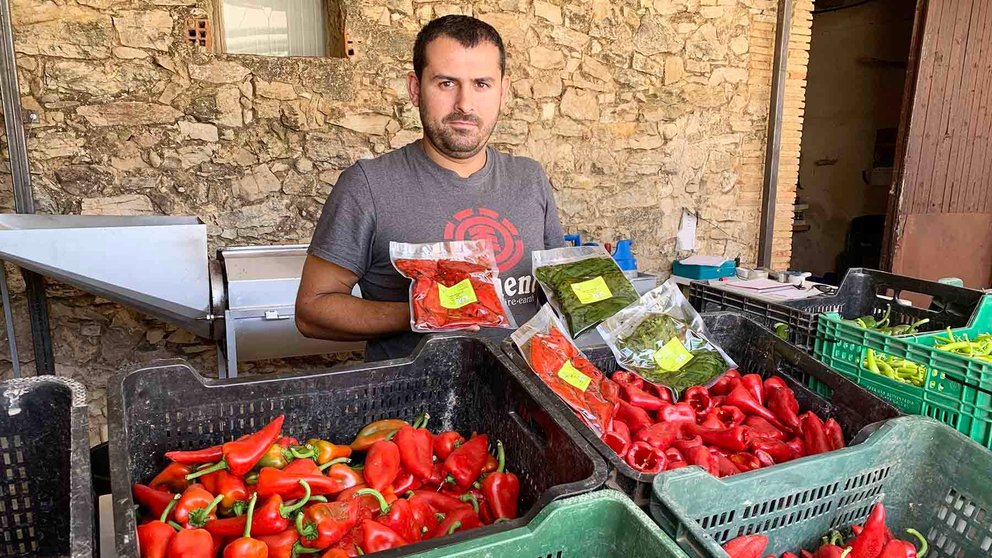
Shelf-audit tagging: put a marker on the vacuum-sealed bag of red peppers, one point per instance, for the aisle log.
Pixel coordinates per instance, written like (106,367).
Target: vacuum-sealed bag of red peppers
(455,285)
(555,359)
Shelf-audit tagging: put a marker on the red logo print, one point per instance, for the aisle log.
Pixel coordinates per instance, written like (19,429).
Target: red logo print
(484,223)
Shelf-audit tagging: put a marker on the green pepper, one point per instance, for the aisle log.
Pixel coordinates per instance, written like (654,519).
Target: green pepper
(565,282)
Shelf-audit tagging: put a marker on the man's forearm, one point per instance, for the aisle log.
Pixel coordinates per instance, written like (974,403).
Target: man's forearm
(343,317)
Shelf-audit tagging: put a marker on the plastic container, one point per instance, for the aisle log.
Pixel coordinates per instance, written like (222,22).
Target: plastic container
(862,292)
(602,524)
(929,477)
(46,503)
(459,380)
(957,391)
(726,269)
(755,349)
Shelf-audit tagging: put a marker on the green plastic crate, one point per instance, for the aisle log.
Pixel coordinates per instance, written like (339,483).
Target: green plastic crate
(930,478)
(595,525)
(957,391)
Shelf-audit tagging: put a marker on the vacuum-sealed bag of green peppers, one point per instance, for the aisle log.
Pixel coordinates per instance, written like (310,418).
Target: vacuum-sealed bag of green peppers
(584,285)
(662,338)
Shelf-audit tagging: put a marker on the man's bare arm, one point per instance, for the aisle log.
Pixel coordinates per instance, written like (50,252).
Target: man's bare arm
(325,308)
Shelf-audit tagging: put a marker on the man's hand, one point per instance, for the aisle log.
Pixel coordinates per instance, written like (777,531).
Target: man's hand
(325,308)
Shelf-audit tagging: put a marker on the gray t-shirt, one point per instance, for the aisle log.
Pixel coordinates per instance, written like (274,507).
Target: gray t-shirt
(404,196)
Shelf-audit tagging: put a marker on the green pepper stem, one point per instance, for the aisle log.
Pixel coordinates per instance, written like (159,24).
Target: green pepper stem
(923,542)
(836,538)
(300,549)
(454,527)
(383,505)
(500,456)
(286,511)
(175,526)
(168,509)
(251,513)
(470,498)
(318,499)
(219,466)
(297,454)
(846,552)
(308,531)
(334,462)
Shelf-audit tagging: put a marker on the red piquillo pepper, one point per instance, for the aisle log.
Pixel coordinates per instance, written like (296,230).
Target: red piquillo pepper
(753,384)
(679,412)
(466,462)
(726,383)
(618,438)
(454,291)
(835,436)
(741,398)
(287,485)
(242,454)
(375,431)
(749,546)
(154,536)
(196,506)
(501,489)
(247,547)
(382,464)
(416,445)
(172,478)
(397,515)
(814,435)
(660,435)
(699,399)
(640,398)
(635,418)
(376,537)
(459,519)
(873,537)
(445,443)
(153,501)
(645,458)
(322,525)
(196,457)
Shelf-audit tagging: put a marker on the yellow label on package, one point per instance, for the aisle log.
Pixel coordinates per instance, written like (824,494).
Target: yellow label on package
(672,356)
(573,377)
(592,290)
(457,295)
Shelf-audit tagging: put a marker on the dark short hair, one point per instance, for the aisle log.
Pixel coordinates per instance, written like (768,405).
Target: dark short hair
(468,31)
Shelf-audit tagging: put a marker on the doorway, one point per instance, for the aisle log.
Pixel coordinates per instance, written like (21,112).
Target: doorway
(857,73)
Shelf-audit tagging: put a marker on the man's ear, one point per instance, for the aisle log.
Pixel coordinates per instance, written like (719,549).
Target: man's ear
(504,92)
(413,87)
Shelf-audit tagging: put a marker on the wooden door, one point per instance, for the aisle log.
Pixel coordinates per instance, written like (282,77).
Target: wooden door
(941,211)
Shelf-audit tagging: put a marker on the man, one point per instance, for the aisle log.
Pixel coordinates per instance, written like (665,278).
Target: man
(449,185)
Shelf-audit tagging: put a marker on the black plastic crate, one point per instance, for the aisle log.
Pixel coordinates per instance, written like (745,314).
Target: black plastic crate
(460,380)
(756,350)
(863,292)
(46,504)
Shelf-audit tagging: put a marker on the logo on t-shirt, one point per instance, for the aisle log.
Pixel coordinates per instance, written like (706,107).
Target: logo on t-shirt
(484,223)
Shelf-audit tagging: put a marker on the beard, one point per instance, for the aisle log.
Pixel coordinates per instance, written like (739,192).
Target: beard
(457,143)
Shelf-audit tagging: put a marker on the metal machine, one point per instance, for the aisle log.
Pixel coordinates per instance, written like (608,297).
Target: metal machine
(244,300)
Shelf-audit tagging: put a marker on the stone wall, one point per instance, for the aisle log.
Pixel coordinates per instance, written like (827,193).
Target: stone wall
(637,109)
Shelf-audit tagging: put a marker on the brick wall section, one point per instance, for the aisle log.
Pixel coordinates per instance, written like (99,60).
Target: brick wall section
(636,109)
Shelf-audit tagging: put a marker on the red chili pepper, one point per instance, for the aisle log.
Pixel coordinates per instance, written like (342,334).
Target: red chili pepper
(646,458)
(305,467)
(727,415)
(675,459)
(763,428)
(625,378)
(640,398)
(232,488)
(660,435)
(701,456)
(154,536)
(749,546)
(153,501)
(779,451)
(445,443)
(242,454)
(874,536)
(324,524)
(781,402)
(194,498)
(501,489)
(172,478)
(439,502)
(835,436)
(196,457)
(752,383)
(377,537)
(460,519)
(424,519)
(745,461)
(618,438)
(901,549)
(466,462)
(192,543)
(679,412)
(699,399)
(743,400)
(726,383)
(247,547)
(416,445)
(343,476)
(376,431)
(735,438)
(273,481)
(382,464)
(814,436)
(285,544)
(683,443)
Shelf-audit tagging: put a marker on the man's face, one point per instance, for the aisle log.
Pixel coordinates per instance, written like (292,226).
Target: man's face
(459,95)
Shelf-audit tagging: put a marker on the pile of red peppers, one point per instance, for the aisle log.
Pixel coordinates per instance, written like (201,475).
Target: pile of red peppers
(739,424)
(266,495)
(872,540)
